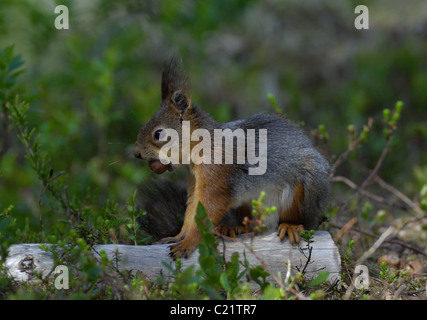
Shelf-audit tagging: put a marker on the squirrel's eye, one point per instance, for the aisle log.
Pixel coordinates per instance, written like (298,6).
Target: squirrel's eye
(157,134)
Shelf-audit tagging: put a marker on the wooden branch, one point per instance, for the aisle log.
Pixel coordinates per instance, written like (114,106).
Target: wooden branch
(24,259)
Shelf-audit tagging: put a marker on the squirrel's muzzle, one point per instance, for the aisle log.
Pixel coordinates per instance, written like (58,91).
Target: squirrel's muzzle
(137,152)
(155,165)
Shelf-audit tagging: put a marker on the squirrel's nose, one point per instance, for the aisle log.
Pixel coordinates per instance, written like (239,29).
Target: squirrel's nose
(137,153)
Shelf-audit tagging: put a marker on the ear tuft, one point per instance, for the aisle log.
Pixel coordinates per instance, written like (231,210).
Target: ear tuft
(175,84)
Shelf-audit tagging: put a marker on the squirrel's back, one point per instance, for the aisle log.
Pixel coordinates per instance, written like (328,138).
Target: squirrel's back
(291,160)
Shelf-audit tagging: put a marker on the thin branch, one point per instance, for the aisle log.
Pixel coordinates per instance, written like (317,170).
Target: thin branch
(369,179)
(344,229)
(380,161)
(368,194)
(340,160)
(367,254)
(415,220)
(414,206)
(353,145)
(308,259)
(391,241)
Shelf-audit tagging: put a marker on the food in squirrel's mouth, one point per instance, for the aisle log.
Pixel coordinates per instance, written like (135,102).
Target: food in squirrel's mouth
(158,167)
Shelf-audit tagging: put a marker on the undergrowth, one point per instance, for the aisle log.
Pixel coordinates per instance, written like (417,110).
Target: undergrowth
(73,225)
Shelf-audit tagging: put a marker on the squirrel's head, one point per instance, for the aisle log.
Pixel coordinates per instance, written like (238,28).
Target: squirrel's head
(175,107)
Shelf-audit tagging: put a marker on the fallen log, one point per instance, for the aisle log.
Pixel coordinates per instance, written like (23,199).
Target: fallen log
(25,259)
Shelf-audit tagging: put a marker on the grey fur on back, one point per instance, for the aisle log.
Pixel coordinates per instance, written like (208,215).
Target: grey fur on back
(291,159)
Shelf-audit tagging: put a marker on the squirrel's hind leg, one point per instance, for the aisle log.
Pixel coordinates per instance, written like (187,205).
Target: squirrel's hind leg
(291,218)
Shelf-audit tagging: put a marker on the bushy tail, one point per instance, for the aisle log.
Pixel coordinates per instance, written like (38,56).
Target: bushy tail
(164,202)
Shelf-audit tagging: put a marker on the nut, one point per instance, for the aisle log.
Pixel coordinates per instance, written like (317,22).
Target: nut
(158,167)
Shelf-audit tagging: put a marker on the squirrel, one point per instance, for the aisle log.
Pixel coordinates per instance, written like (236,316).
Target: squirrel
(295,178)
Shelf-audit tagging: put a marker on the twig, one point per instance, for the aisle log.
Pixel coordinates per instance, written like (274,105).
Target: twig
(401,287)
(353,145)
(308,261)
(367,254)
(343,156)
(344,229)
(369,179)
(400,195)
(392,241)
(368,194)
(412,221)
(380,161)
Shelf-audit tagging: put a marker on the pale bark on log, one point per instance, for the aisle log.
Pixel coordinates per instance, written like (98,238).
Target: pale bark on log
(24,259)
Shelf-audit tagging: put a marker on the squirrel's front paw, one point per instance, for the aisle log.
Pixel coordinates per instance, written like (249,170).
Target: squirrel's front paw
(184,247)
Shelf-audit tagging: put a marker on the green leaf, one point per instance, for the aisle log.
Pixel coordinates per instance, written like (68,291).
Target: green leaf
(4,223)
(321,277)
(224,282)
(274,102)
(272,293)
(399,106)
(386,114)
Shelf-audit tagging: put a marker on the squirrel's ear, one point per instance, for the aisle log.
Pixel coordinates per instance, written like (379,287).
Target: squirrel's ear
(175,85)
(180,100)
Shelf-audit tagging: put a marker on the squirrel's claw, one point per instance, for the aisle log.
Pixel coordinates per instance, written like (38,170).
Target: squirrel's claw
(184,247)
(177,252)
(291,230)
(167,240)
(175,239)
(231,231)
